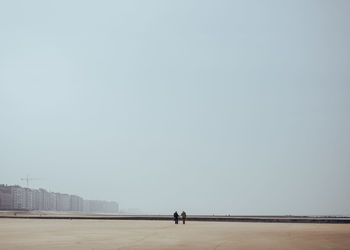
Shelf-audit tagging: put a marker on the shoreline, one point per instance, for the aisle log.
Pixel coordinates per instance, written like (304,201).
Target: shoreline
(255,219)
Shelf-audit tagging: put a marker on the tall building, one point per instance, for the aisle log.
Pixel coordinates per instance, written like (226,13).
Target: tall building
(6,199)
(36,199)
(18,194)
(63,202)
(28,199)
(76,203)
(52,206)
(44,199)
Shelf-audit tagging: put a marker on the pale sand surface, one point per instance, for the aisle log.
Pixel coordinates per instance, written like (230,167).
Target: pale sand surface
(118,234)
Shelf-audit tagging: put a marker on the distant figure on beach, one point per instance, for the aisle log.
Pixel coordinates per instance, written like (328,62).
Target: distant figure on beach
(176,217)
(183,216)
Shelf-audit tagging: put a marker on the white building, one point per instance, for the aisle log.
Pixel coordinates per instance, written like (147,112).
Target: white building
(18,195)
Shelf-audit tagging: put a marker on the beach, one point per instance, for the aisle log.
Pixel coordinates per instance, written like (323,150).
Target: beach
(140,234)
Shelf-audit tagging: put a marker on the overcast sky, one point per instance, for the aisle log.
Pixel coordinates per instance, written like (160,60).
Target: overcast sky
(225,107)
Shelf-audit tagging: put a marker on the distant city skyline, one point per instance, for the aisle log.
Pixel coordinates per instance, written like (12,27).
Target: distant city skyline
(212,107)
(15,197)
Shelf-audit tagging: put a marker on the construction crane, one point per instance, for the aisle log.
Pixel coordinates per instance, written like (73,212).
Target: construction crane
(27,179)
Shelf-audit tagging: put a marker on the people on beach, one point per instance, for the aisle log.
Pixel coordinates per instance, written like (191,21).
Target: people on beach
(183,216)
(176,217)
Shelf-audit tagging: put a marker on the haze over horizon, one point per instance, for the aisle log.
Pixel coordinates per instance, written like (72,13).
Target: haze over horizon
(212,107)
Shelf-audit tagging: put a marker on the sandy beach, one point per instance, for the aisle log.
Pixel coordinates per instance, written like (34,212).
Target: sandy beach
(107,234)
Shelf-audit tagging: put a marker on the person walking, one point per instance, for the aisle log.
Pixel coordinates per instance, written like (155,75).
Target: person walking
(176,217)
(183,216)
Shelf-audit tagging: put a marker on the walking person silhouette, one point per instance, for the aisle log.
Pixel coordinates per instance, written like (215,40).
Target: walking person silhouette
(176,217)
(183,216)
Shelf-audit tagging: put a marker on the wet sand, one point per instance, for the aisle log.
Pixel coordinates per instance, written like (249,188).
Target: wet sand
(119,234)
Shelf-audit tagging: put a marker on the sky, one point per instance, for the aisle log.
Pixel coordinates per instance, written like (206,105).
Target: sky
(212,107)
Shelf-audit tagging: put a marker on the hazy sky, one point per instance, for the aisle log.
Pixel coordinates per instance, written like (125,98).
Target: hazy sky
(225,107)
